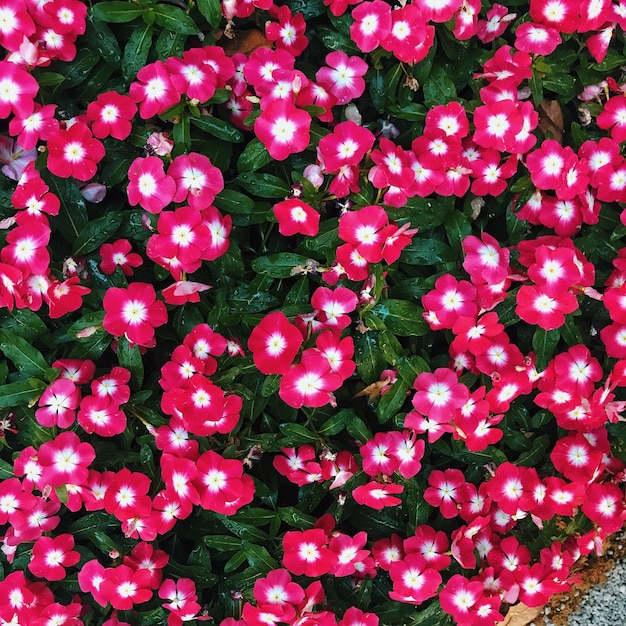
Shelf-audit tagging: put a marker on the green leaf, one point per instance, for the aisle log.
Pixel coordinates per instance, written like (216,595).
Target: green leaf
(426,212)
(218,128)
(222,543)
(537,453)
(258,557)
(211,11)
(102,40)
(457,228)
(231,201)
(28,360)
(116,12)
(392,400)
(22,393)
(410,368)
(130,358)
(79,70)
(369,359)
(174,19)
(253,157)
(169,44)
(439,88)
(96,232)
(335,424)
(358,429)
(419,509)
(24,323)
(544,344)
(401,317)
(181,134)
(297,434)
(263,185)
(536,87)
(427,251)
(136,51)
(295,518)
(278,265)
(378,90)
(72,217)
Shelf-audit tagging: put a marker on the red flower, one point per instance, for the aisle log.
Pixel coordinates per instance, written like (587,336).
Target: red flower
(445,491)
(378,495)
(51,556)
(65,297)
(283,129)
(148,185)
(58,404)
(111,114)
(295,216)
(118,254)
(413,580)
(74,152)
(153,90)
(134,313)
(40,124)
(288,32)
(344,76)
(17,90)
(198,181)
(274,343)
(309,383)
(65,460)
(372,24)
(307,553)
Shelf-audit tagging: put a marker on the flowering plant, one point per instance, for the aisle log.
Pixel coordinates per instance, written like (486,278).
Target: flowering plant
(311,313)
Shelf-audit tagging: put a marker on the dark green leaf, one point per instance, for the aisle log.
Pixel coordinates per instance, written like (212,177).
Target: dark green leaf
(358,429)
(24,323)
(136,51)
(369,360)
(294,517)
(544,344)
(258,557)
(298,435)
(401,317)
(278,265)
(169,44)
(181,134)
(222,543)
(27,359)
(457,228)
(427,251)
(253,157)
(231,201)
(96,232)
(439,88)
(130,358)
(102,40)
(536,454)
(72,217)
(211,11)
(263,185)
(21,393)
(410,368)
(218,128)
(392,400)
(378,90)
(426,212)
(173,19)
(116,11)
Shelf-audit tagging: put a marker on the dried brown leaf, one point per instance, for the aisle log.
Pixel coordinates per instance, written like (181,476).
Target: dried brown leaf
(521,615)
(551,119)
(246,41)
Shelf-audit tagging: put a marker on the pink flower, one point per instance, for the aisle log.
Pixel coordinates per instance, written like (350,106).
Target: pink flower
(198,181)
(295,216)
(134,313)
(148,185)
(74,152)
(58,404)
(153,90)
(111,114)
(17,91)
(344,76)
(51,555)
(307,553)
(378,495)
(118,254)
(372,24)
(274,343)
(283,129)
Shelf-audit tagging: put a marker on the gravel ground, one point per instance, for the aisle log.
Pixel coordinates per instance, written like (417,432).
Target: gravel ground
(602,605)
